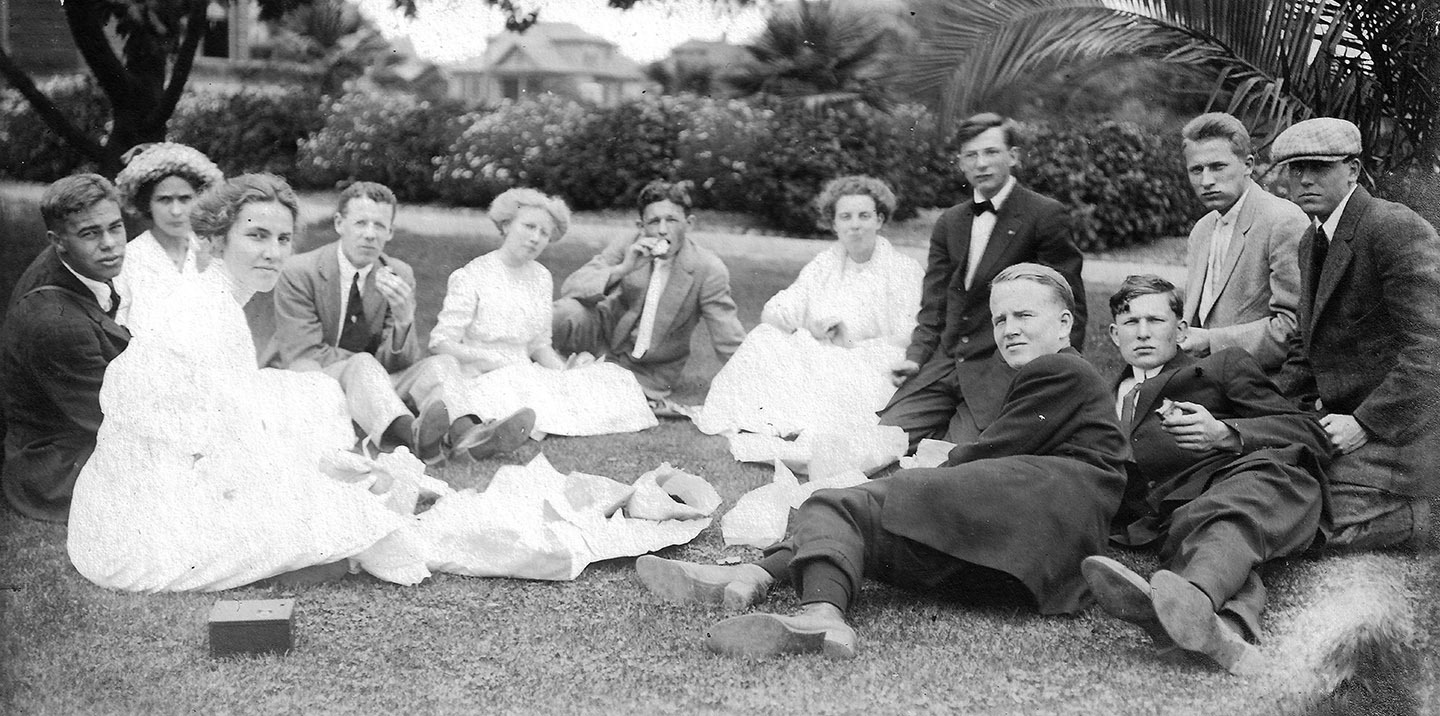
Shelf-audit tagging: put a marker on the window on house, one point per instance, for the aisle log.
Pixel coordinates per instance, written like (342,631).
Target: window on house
(217,32)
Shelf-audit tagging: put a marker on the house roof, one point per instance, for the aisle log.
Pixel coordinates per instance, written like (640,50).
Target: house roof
(550,48)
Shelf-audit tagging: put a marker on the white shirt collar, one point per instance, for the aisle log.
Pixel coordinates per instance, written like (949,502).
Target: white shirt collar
(349,270)
(1141,376)
(99,288)
(1000,196)
(1332,224)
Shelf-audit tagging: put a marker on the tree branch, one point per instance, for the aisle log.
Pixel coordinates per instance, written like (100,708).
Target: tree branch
(185,61)
(87,27)
(47,110)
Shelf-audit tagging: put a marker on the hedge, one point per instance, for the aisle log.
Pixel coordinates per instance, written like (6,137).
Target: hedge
(29,150)
(1124,185)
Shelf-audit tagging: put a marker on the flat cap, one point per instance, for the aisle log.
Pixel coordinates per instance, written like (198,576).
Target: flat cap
(1325,139)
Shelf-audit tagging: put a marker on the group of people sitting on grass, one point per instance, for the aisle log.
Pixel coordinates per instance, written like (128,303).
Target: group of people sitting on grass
(1286,400)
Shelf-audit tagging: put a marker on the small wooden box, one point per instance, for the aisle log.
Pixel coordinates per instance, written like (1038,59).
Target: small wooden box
(256,626)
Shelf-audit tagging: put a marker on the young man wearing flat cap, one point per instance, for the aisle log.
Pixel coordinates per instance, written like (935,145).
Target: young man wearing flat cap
(1366,356)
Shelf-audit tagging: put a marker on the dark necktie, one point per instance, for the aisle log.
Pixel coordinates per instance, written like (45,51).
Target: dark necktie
(354,336)
(114,299)
(1127,409)
(1317,259)
(981,207)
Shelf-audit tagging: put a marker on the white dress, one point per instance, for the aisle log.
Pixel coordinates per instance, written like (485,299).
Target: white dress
(506,313)
(783,382)
(147,277)
(206,470)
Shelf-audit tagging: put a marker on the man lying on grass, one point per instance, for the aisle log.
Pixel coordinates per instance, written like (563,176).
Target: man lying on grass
(1008,516)
(1226,476)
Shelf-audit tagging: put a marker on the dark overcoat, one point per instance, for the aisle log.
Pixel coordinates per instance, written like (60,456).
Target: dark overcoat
(1034,494)
(56,346)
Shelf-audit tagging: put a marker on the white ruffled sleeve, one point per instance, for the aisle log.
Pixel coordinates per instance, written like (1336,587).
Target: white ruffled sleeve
(788,309)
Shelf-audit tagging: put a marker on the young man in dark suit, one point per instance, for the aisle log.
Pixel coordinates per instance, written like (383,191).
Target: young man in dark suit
(1006,224)
(1226,475)
(1367,353)
(1011,514)
(60,334)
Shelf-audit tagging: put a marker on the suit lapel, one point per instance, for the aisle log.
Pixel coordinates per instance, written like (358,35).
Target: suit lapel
(1195,272)
(1238,240)
(1002,237)
(60,277)
(375,303)
(329,288)
(1337,261)
(633,309)
(1151,389)
(682,275)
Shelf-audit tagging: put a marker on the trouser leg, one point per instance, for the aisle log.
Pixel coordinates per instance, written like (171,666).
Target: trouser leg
(656,379)
(931,410)
(1220,539)
(576,328)
(369,394)
(426,380)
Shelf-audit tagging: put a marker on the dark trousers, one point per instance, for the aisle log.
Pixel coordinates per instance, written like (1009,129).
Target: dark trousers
(930,405)
(1220,539)
(836,541)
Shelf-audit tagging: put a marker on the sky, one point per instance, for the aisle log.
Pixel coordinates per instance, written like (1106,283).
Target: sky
(454,30)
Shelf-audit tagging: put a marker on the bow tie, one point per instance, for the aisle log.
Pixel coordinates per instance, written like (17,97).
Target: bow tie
(981,207)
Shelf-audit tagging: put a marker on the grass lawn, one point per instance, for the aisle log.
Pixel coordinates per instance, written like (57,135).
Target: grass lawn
(599,644)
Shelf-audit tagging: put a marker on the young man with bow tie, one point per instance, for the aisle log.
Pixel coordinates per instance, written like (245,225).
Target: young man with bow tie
(971,243)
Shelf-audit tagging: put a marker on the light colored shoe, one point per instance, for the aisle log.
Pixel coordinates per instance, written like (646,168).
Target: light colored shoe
(818,628)
(733,587)
(1190,619)
(496,437)
(1125,595)
(430,429)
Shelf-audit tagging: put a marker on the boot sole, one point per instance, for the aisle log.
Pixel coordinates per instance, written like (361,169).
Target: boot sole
(752,635)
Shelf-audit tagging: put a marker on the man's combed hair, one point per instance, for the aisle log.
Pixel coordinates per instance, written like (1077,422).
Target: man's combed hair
(220,205)
(855,185)
(1219,125)
(72,195)
(1043,275)
(984,122)
(1145,285)
(374,191)
(677,193)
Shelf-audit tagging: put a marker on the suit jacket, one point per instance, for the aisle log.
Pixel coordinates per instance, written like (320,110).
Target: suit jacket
(1259,278)
(699,287)
(308,319)
(1034,494)
(1231,385)
(1369,339)
(57,343)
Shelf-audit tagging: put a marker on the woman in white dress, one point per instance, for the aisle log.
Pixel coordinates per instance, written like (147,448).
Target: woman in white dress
(206,474)
(820,360)
(160,183)
(495,323)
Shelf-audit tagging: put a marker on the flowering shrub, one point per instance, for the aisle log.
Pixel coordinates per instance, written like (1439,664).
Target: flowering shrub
(716,147)
(253,130)
(619,149)
(392,139)
(514,145)
(29,150)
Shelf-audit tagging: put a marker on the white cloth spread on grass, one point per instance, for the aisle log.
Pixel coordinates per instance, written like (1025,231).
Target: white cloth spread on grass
(758,519)
(506,313)
(783,382)
(210,473)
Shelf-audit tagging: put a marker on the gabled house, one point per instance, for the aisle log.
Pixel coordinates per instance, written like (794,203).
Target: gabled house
(550,57)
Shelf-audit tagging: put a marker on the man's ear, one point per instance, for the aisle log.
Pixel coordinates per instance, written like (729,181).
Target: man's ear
(339,219)
(1115,335)
(1182,329)
(54,239)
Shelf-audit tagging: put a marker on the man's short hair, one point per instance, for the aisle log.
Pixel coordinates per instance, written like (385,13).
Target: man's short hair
(677,193)
(1135,286)
(378,193)
(218,208)
(1045,276)
(984,122)
(72,195)
(1219,125)
(856,185)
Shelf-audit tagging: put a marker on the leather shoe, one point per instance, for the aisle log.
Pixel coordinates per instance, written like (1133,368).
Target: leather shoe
(732,587)
(818,628)
(429,432)
(1123,594)
(495,437)
(1190,619)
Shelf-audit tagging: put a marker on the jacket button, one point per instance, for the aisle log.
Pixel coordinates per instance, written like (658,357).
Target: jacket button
(964,339)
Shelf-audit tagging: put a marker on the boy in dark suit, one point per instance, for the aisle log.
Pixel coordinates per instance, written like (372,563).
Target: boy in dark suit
(1366,356)
(1226,475)
(1010,514)
(60,334)
(1006,224)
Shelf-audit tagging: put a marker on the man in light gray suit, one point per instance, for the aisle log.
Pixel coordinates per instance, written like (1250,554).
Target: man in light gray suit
(1243,279)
